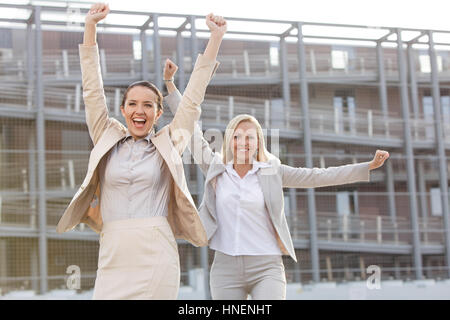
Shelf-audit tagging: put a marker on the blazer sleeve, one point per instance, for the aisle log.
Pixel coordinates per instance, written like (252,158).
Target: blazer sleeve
(188,112)
(322,177)
(198,146)
(97,118)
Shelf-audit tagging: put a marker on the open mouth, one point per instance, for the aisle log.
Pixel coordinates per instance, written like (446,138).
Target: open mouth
(139,122)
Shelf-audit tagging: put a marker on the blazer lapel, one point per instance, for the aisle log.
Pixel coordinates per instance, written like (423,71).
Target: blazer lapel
(264,182)
(109,138)
(165,147)
(215,169)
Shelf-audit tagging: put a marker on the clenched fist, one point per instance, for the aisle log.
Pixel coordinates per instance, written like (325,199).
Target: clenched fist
(98,12)
(216,24)
(170,69)
(378,160)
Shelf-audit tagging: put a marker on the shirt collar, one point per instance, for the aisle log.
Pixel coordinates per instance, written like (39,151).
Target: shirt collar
(147,138)
(256,165)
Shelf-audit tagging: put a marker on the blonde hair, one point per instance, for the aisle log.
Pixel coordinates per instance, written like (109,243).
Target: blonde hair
(262,154)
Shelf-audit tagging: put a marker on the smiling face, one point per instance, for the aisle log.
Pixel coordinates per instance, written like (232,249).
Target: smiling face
(140,110)
(244,143)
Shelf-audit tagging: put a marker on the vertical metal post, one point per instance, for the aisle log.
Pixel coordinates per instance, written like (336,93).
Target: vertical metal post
(32,178)
(294,217)
(390,186)
(413,86)
(40,135)
(144,55)
(423,199)
(439,134)
(382,87)
(180,62)
(194,41)
(204,259)
(308,152)
(204,250)
(157,52)
(285,78)
(409,156)
(30,66)
(182,85)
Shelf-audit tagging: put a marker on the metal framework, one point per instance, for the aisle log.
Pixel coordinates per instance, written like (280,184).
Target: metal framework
(295,31)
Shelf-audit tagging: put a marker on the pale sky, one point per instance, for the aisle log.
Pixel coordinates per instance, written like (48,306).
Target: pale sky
(423,14)
(427,14)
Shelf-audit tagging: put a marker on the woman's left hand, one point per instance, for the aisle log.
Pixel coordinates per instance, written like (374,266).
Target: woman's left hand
(170,69)
(216,24)
(379,159)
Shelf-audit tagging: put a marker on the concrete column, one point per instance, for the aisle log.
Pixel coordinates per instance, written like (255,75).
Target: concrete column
(382,87)
(285,74)
(40,135)
(180,62)
(294,216)
(413,86)
(200,180)
(390,186)
(440,147)
(30,65)
(144,55)
(308,152)
(157,52)
(409,157)
(194,41)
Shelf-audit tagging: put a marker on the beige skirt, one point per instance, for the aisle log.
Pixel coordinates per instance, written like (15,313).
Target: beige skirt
(138,259)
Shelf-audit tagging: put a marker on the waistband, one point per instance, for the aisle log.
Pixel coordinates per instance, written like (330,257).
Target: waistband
(135,223)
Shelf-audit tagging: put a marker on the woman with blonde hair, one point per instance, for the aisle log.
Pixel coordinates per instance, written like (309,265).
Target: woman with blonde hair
(135,193)
(242,208)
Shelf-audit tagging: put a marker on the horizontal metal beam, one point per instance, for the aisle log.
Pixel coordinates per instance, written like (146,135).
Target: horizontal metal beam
(270,21)
(367,247)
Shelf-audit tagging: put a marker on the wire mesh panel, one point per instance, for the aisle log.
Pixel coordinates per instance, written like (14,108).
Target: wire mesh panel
(357,225)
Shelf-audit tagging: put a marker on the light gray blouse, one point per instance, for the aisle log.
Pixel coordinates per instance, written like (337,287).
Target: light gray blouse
(135,181)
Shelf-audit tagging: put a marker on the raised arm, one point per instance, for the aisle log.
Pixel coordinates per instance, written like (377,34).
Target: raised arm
(322,177)
(199,147)
(96,110)
(188,111)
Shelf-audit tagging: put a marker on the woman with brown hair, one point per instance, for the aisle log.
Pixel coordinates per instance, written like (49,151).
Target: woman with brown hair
(135,193)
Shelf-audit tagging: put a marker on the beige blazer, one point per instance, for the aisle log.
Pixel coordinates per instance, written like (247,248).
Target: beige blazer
(170,142)
(272,180)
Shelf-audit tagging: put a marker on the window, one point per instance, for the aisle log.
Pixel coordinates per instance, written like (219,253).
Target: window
(339,59)
(436,202)
(436,206)
(344,109)
(137,50)
(274,58)
(346,202)
(425,63)
(428,111)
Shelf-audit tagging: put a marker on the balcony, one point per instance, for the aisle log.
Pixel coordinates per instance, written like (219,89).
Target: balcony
(326,122)
(249,66)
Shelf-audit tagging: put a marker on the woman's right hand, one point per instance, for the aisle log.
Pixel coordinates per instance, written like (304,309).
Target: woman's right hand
(98,12)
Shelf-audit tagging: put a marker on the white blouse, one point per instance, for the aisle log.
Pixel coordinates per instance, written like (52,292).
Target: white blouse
(243,223)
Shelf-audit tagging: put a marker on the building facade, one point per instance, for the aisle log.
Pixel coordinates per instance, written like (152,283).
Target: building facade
(324,100)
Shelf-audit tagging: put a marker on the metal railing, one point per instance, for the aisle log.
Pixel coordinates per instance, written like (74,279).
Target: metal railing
(257,62)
